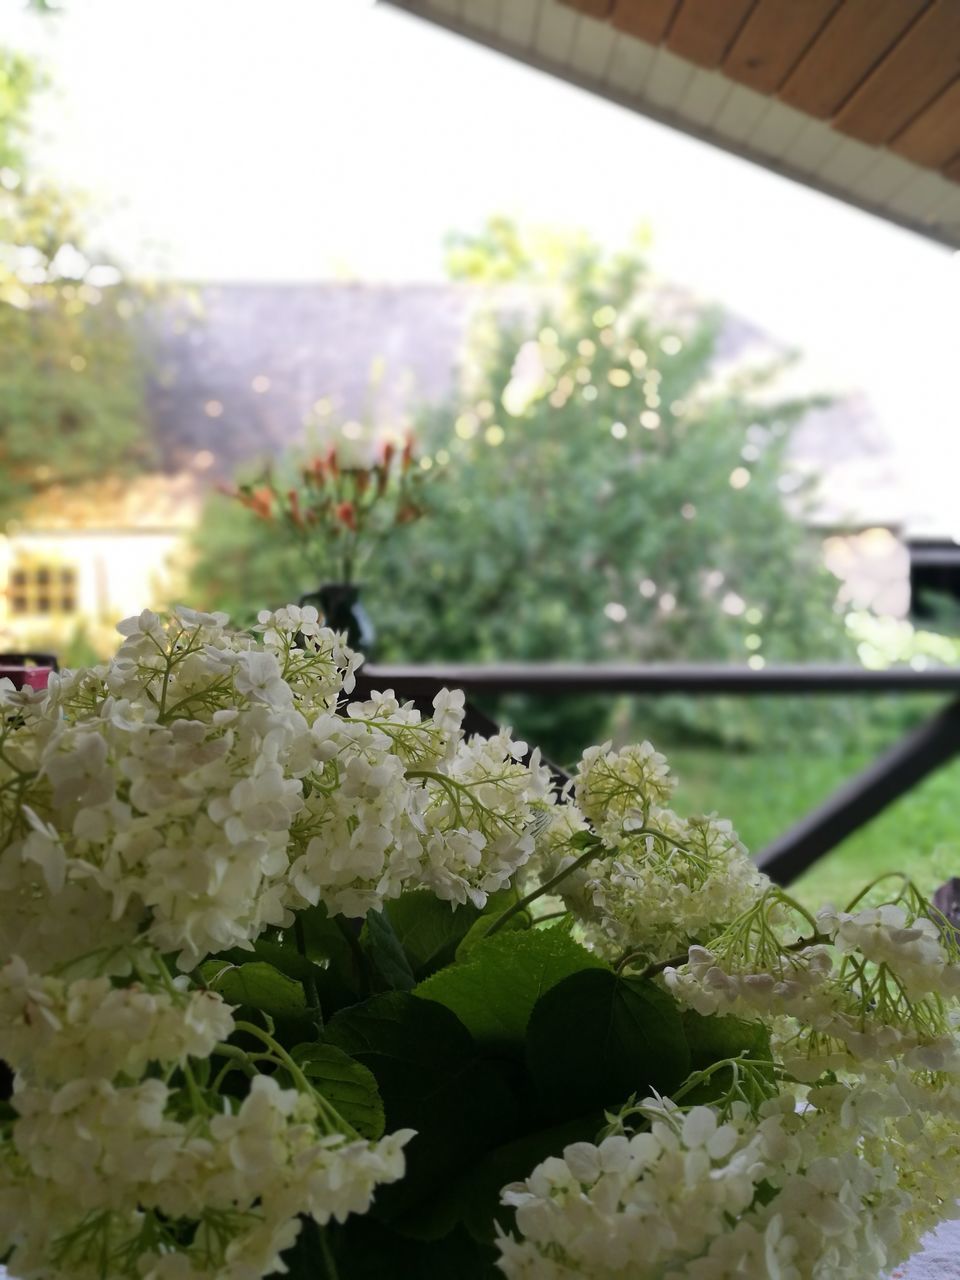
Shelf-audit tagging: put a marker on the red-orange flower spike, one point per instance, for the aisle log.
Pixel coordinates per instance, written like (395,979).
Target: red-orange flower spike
(295,514)
(346,513)
(407,456)
(333,466)
(260,501)
(389,449)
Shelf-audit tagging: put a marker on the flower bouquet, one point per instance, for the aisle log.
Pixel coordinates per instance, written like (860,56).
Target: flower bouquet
(294,985)
(338,506)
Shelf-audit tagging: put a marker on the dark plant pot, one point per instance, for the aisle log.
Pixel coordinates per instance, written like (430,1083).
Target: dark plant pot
(341,608)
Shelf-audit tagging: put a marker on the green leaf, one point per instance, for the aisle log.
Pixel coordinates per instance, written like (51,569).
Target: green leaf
(495,907)
(495,989)
(714,1038)
(259,988)
(429,930)
(364,1249)
(388,955)
(596,1038)
(345,1083)
(473,1199)
(259,985)
(431,1079)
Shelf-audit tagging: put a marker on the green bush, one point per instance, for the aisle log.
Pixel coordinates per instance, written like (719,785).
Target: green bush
(604,496)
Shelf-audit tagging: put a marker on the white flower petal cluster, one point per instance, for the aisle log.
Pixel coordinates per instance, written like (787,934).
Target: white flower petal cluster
(91,1155)
(803,1189)
(614,786)
(910,945)
(178,800)
(58,1031)
(841,1154)
(657,881)
(201,785)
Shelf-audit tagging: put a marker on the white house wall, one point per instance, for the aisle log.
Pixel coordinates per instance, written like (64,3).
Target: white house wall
(118,573)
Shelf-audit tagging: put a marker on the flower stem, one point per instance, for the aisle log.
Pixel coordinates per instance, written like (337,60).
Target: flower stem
(329,1265)
(532,896)
(310,981)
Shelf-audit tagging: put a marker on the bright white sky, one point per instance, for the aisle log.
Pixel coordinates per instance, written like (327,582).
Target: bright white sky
(300,139)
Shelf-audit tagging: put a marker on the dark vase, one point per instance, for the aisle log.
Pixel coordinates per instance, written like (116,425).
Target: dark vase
(341,608)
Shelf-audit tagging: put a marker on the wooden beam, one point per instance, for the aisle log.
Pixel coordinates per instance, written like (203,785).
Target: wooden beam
(773,40)
(856,38)
(915,71)
(648,20)
(933,137)
(704,30)
(592,8)
(696,679)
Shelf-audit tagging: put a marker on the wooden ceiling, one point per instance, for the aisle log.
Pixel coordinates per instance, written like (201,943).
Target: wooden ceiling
(856,98)
(885,72)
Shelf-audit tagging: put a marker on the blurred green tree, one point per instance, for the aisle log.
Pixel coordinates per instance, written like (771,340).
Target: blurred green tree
(72,373)
(606,495)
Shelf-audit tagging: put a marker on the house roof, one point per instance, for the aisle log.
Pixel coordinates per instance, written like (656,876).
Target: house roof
(237,381)
(857,98)
(239,375)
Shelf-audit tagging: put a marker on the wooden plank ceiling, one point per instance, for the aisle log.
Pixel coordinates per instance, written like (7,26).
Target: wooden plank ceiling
(860,98)
(885,72)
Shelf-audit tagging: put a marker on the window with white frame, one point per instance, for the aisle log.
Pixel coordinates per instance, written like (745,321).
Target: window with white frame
(38,588)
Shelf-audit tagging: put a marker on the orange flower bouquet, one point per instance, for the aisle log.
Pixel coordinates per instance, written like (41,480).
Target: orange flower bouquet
(338,509)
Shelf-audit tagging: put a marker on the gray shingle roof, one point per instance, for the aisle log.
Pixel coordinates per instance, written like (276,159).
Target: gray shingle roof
(240,374)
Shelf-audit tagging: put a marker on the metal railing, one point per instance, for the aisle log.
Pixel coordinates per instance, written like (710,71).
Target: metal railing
(894,772)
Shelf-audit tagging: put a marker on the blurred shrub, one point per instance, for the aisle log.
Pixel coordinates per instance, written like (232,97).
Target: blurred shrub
(72,375)
(607,494)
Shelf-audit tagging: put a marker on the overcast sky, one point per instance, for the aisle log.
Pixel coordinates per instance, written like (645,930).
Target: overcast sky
(302,139)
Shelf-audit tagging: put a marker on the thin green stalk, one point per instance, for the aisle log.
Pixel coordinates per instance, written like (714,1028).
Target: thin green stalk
(359,959)
(310,981)
(329,1265)
(674,962)
(532,896)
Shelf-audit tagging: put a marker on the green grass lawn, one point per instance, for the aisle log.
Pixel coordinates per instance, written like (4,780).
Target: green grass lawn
(764,794)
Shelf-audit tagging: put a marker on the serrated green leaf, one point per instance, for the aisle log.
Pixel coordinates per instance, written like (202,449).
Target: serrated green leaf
(259,985)
(364,1249)
(428,929)
(431,1079)
(473,1199)
(494,990)
(346,1084)
(715,1038)
(596,1038)
(480,929)
(388,955)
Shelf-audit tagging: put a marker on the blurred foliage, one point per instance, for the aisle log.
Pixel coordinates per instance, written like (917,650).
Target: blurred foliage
(605,494)
(887,642)
(72,385)
(773,789)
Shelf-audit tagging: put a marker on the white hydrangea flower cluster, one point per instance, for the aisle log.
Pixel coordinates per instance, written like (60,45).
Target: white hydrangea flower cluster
(869,986)
(843,1151)
(58,1031)
(178,800)
(795,1190)
(200,786)
(654,881)
(98,1172)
